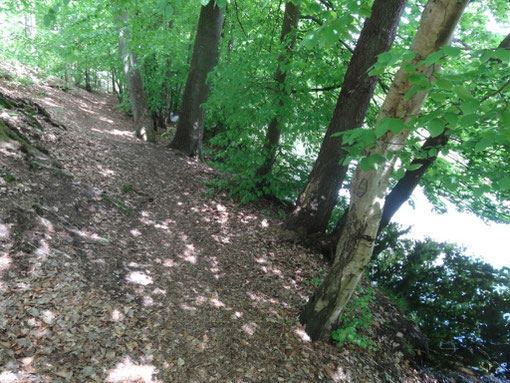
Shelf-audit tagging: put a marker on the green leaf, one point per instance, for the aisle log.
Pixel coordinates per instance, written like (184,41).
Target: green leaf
(503,55)
(415,89)
(469,106)
(433,58)
(462,92)
(484,143)
(486,56)
(419,79)
(451,51)
(396,125)
(504,183)
(381,128)
(204,2)
(408,55)
(365,164)
(444,84)
(505,119)
(399,174)
(413,167)
(436,127)
(468,120)
(452,119)
(369,163)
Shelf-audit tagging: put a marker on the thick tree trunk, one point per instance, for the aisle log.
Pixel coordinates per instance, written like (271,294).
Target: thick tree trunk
(368,189)
(141,115)
(316,202)
(289,26)
(190,129)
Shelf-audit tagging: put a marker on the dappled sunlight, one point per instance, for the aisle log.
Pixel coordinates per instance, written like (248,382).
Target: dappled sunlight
(158,291)
(259,297)
(5,262)
(104,119)
(139,278)
(48,317)
(189,255)
(170,263)
(105,172)
(8,148)
(129,372)
(217,303)
(302,335)
(340,375)
(43,250)
(116,316)
(135,233)
(249,328)
(94,237)
(9,377)
(187,307)
(147,301)
(116,132)
(215,268)
(272,270)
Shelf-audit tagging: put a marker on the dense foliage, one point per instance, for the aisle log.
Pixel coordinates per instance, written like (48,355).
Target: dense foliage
(461,303)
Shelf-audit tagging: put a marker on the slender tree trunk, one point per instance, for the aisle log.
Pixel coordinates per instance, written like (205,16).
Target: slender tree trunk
(406,185)
(67,78)
(190,129)
(288,34)
(30,25)
(316,202)
(143,121)
(88,86)
(368,189)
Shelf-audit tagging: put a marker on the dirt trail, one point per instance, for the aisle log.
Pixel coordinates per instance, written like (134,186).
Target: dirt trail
(119,268)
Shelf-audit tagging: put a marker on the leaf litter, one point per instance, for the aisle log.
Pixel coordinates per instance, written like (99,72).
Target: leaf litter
(116,266)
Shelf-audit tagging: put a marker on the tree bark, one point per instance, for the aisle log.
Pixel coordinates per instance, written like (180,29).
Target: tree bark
(317,200)
(190,129)
(141,115)
(368,189)
(30,25)
(288,34)
(88,86)
(406,185)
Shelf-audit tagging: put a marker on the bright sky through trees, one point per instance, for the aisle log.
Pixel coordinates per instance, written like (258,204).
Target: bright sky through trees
(488,241)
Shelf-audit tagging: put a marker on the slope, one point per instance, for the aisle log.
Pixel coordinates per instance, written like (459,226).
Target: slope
(116,265)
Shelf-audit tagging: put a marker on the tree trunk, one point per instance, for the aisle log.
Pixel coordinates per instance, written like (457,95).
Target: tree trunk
(289,26)
(406,185)
(145,129)
(30,25)
(368,189)
(190,129)
(88,86)
(399,194)
(316,202)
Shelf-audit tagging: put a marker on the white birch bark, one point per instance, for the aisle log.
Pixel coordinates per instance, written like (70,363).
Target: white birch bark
(368,189)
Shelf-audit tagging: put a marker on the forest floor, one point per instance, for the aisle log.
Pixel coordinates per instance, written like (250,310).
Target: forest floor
(118,265)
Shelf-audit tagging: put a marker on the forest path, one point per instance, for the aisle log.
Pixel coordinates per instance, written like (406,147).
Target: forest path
(127,272)
(117,266)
